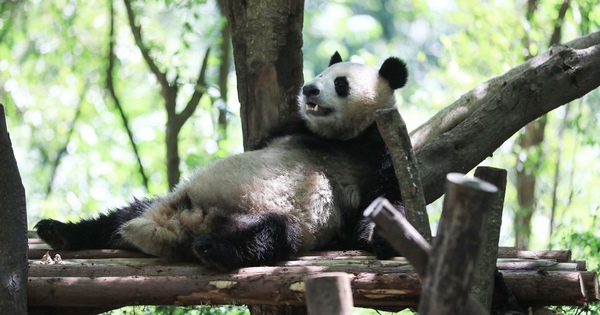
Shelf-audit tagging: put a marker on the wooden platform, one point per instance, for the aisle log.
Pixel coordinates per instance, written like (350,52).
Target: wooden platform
(114,278)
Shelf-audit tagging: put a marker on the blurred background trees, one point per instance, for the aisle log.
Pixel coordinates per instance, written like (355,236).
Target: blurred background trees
(90,86)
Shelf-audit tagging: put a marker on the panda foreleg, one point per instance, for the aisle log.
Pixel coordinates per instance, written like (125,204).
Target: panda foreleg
(97,233)
(249,240)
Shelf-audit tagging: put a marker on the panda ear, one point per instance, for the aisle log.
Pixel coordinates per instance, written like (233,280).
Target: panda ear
(394,71)
(335,59)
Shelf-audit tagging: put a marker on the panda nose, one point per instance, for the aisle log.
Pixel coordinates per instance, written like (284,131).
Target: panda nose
(310,90)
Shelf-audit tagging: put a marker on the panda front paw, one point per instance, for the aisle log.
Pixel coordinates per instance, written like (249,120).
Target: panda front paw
(53,233)
(217,253)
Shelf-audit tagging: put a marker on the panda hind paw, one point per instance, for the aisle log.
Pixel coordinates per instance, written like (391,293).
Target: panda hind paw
(217,253)
(53,233)
(382,248)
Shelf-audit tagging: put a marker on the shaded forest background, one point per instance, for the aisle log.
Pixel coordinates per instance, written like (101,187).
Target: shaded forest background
(83,83)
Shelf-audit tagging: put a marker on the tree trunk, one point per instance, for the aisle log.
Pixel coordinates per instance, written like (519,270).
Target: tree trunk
(529,159)
(269,66)
(13,229)
(269,72)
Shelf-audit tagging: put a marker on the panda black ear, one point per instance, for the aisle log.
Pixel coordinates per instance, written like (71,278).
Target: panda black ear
(335,59)
(394,71)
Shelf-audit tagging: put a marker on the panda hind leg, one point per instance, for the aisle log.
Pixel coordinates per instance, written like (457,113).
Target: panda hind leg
(97,233)
(249,240)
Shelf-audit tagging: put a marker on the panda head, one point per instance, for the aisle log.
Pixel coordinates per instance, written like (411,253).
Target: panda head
(340,103)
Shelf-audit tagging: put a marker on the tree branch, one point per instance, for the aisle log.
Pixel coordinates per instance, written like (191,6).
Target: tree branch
(111,89)
(136,30)
(555,38)
(199,90)
(454,114)
(63,150)
(512,102)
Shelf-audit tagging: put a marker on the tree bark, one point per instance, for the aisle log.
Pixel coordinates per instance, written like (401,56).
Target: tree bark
(268,67)
(328,293)
(13,230)
(483,282)
(393,131)
(566,75)
(455,250)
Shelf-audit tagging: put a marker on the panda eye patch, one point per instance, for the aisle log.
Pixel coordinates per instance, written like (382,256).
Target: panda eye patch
(342,88)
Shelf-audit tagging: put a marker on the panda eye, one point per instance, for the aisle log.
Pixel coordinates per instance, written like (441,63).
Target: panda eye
(342,88)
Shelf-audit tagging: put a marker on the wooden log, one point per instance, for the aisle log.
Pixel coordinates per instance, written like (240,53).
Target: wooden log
(154,267)
(552,288)
(81,283)
(511,252)
(540,265)
(328,293)
(456,246)
(251,286)
(483,281)
(589,284)
(395,135)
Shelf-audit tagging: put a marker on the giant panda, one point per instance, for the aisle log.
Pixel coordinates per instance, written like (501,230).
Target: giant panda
(303,190)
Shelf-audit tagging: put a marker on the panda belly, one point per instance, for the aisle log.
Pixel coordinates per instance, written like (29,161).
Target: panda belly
(292,183)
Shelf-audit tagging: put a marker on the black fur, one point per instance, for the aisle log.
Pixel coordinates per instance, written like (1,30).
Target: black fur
(336,58)
(395,72)
(97,233)
(249,240)
(342,87)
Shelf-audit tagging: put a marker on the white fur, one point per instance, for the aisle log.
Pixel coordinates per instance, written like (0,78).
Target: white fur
(277,179)
(351,114)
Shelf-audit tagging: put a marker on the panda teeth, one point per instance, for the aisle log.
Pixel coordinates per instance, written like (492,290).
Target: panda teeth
(312,107)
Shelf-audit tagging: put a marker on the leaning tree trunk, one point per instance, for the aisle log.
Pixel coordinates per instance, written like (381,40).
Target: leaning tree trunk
(267,50)
(13,230)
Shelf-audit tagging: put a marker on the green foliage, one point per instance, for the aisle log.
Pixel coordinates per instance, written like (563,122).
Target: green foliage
(53,61)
